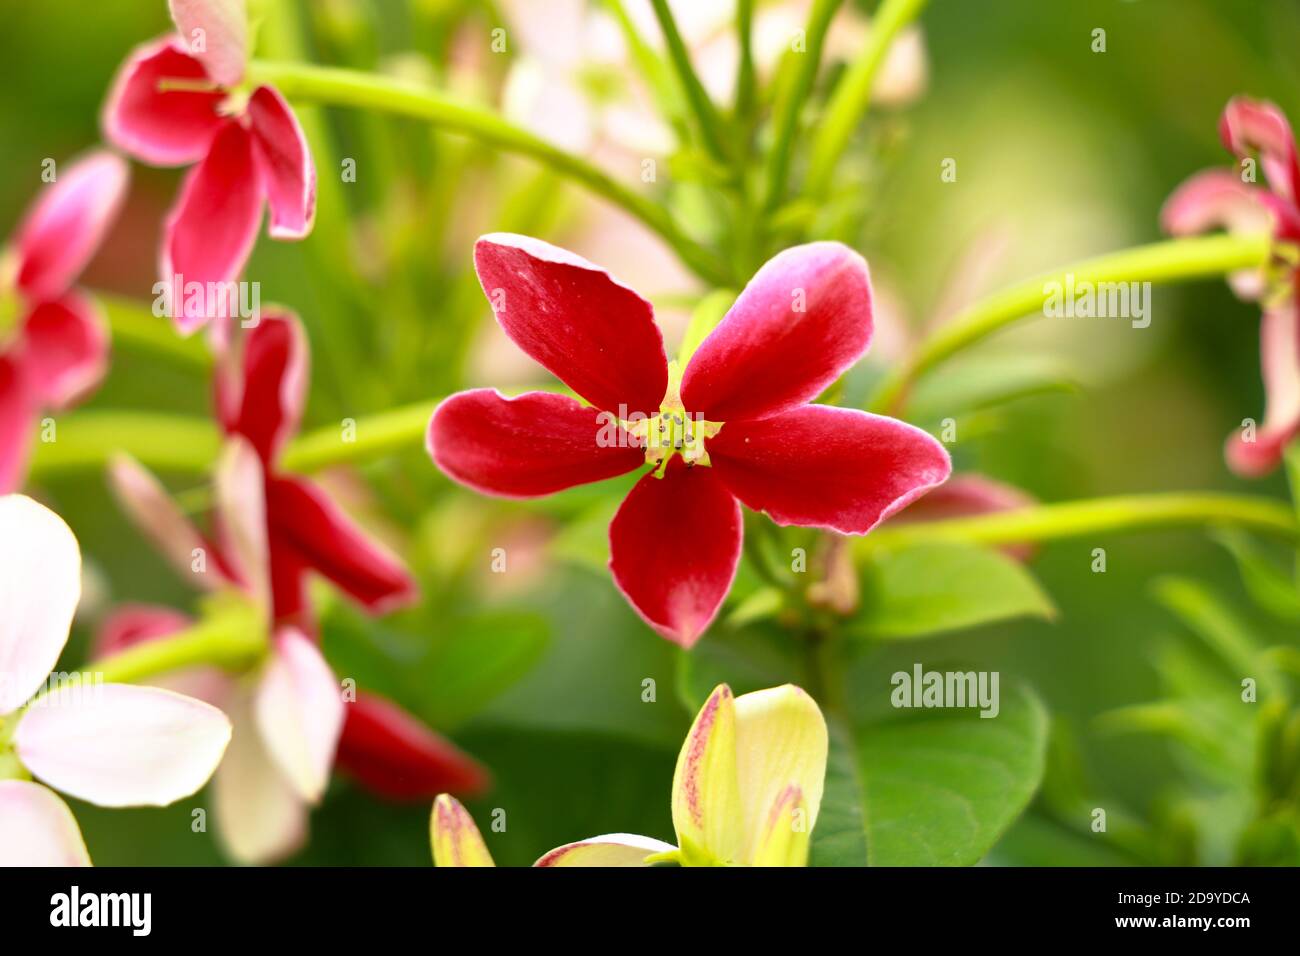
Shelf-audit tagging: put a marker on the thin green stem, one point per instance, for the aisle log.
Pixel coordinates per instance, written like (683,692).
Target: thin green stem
(340,87)
(1176,260)
(395,430)
(852,94)
(788,109)
(706,115)
(1073,519)
(746,84)
(88,439)
(134,325)
(233,638)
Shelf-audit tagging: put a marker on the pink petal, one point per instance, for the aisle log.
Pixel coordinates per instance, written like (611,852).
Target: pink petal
(1215,199)
(825,467)
(67,224)
(299,712)
(1279,343)
(211,229)
(313,532)
(963,496)
(674,546)
(612,849)
(132,624)
(802,320)
(37,828)
(40,585)
(221,27)
(1248,125)
(118,745)
(241,518)
(17,423)
(591,331)
(264,403)
(65,349)
(260,818)
(169,128)
(535,444)
(396,756)
(152,510)
(287,166)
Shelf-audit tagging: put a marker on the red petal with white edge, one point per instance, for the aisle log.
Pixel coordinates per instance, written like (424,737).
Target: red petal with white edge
(1279,342)
(17,423)
(396,756)
(67,224)
(592,332)
(264,401)
(824,467)
(210,232)
(65,349)
(535,444)
(309,531)
(165,128)
(674,546)
(803,319)
(287,166)
(133,624)
(220,29)
(1248,125)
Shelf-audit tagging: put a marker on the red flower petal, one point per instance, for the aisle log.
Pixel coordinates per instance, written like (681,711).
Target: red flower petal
(169,128)
(133,624)
(287,166)
(393,754)
(1214,199)
(674,546)
(595,334)
(17,422)
(65,349)
(210,231)
(224,26)
(803,319)
(308,530)
(824,467)
(535,444)
(67,224)
(1248,125)
(1279,344)
(264,400)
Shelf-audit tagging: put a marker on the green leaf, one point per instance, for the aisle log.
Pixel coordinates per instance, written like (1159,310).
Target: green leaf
(931,787)
(1270,588)
(975,385)
(930,588)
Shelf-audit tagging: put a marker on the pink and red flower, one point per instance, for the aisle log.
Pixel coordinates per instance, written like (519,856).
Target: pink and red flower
(183,99)
(734,427)
(1221,198)
(270,530)
(53,340)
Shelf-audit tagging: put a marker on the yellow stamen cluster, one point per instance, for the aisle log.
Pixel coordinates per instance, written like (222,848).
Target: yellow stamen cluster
(673,431)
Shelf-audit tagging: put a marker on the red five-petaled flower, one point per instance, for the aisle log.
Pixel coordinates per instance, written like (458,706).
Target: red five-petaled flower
(733,427)
(1222,198)
(182,99)
(53,343)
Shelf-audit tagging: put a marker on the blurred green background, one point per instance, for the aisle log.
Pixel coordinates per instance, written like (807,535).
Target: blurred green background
(1063,151)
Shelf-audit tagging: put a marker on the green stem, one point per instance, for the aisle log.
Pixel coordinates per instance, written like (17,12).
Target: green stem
(786,120)
(1176,260)
(398,429)
(1073,519)
(234,638)
(134,325)
(706,116)
(852,94)
(340,87)
(746,85)
(88,439)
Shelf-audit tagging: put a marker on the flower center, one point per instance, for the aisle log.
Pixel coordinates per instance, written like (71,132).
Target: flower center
(674,431)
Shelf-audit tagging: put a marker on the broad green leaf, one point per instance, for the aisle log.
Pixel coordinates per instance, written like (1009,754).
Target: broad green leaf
(944,586)
(978,384)
(933,787)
